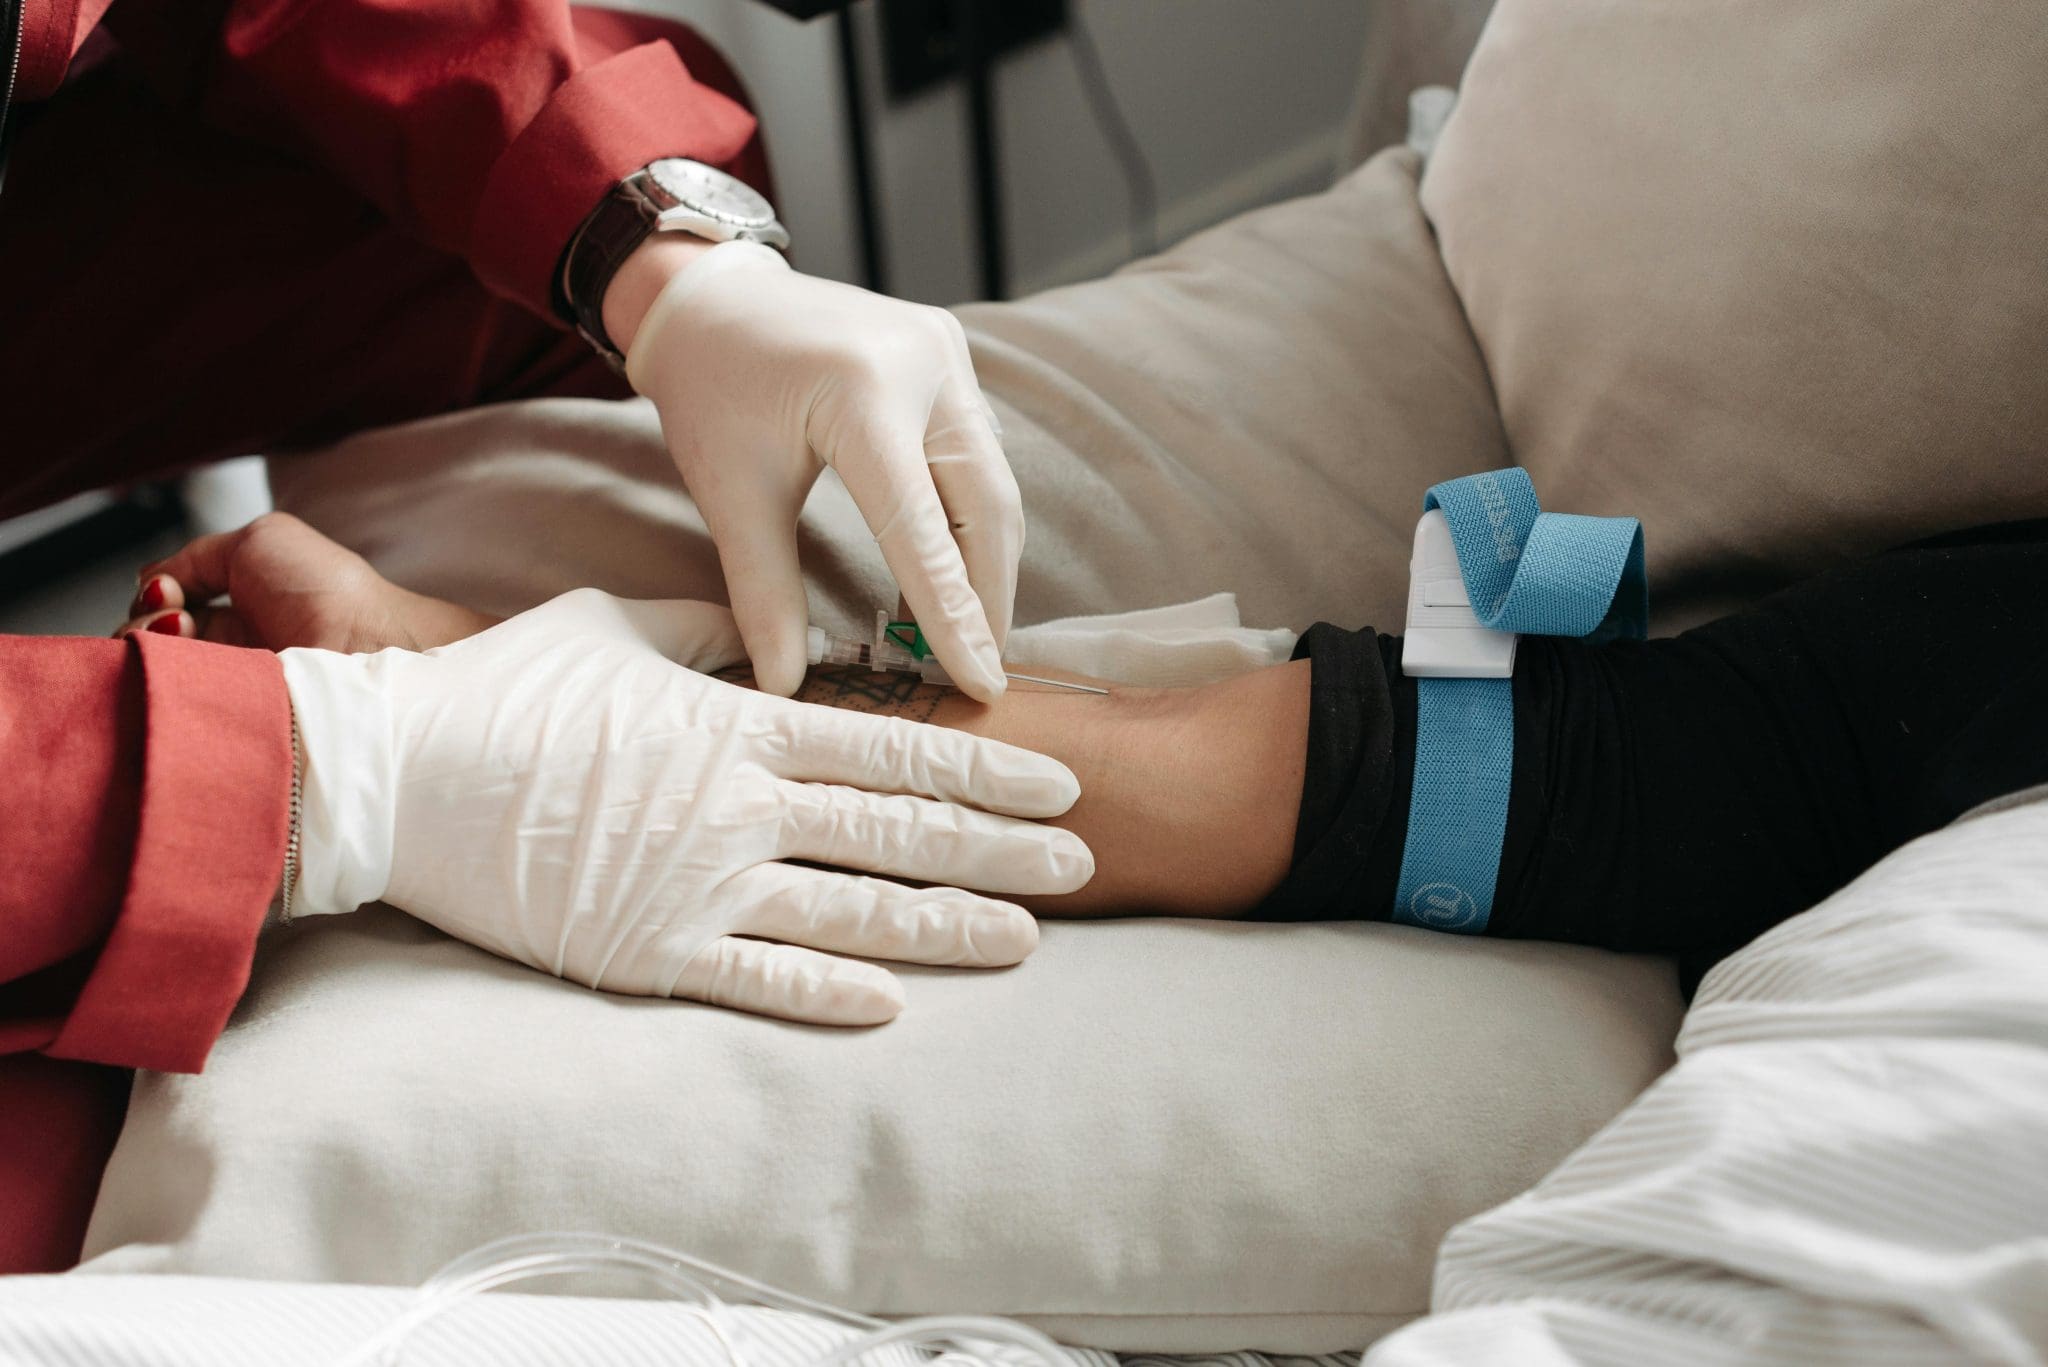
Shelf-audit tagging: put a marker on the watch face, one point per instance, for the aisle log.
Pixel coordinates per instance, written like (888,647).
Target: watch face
(707,190)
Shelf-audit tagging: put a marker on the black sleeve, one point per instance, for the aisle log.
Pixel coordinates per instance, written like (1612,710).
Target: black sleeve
(1683,795)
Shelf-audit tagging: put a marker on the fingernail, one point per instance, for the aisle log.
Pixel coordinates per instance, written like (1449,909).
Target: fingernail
(152,596)
(173,625)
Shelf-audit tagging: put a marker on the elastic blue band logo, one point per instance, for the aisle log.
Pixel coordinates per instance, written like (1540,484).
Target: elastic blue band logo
(1525,571)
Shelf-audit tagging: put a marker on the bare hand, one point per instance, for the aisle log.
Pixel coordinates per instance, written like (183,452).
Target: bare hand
(287,585)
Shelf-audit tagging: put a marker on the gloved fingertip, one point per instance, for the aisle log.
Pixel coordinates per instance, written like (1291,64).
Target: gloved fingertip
(1000,936)
(983,679)
(861,994)
(1070,863)
(779,670)
(1063,789)
(1037,787)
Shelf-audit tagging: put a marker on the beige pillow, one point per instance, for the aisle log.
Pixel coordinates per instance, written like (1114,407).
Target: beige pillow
(1152,1135)
(1257,411)
(1772,276)
(1408,44)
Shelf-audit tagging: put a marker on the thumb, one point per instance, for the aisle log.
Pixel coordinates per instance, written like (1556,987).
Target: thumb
(758,552)
(693,634)
(696,635)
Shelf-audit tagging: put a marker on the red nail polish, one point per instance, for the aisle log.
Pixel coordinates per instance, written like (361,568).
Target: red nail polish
(152,596)
(167,625)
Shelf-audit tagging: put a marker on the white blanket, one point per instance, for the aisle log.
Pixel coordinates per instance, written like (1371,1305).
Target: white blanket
(1848,1165)
(151,1321)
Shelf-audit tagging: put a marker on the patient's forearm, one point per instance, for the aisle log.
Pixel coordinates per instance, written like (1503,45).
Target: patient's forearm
(1684,795)
(1188,796)
(1679,795)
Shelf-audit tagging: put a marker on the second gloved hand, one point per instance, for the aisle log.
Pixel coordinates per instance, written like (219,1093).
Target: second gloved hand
(562,790)
(763,377)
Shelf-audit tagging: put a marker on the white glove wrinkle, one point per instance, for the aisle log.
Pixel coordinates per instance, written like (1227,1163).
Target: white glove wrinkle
(587,869)
(559,792)
(763,377)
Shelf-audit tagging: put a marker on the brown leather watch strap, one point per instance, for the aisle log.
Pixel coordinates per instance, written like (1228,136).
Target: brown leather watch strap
(622,220)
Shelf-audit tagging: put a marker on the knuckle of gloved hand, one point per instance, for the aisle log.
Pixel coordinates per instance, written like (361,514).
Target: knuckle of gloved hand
(708,976)
(997,934)
(959,762)
(803,810)
(944,329)
(772,743)
(872,367)
(892,934)
(903,750)
(993,771)
(905,347)
(797,982)
(846,820)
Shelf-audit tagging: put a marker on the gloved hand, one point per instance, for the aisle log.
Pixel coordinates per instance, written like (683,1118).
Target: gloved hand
(564,790)
(763,377)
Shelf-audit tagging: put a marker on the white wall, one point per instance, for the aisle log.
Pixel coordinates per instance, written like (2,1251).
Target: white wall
(1236,102)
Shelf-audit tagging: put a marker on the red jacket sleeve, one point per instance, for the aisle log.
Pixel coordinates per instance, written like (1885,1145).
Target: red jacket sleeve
(488,128)
(142,830)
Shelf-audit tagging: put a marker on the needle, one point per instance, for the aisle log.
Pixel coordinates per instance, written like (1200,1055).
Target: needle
(1056,683)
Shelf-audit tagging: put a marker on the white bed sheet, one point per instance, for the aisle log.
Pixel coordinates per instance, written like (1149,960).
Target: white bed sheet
(1848,1165)
(165,1321)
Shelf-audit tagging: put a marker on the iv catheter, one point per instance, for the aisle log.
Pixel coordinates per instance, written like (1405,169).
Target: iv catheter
(900,648)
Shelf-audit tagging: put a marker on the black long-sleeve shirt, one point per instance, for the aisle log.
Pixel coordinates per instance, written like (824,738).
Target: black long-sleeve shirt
(1683,795)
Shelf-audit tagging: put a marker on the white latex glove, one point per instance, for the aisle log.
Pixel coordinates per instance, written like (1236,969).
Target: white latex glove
(763,377)
(564,791)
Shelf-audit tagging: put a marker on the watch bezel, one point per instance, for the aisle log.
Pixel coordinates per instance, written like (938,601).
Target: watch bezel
(669,200)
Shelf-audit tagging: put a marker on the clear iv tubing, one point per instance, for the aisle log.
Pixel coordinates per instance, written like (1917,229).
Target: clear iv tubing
(689,1281)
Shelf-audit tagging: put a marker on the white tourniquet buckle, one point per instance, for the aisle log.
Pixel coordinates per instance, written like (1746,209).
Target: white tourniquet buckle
(1444,637)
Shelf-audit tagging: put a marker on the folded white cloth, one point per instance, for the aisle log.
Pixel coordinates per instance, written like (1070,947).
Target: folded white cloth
(1168,647)
(1846,1166)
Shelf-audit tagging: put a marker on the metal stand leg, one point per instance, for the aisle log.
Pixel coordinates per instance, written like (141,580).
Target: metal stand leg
(853,94)
(971,23)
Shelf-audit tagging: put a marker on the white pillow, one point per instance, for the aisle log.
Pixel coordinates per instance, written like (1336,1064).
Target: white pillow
(1177,1136)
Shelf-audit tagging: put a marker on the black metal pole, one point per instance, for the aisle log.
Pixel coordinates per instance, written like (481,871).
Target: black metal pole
(971,24)
(853,93)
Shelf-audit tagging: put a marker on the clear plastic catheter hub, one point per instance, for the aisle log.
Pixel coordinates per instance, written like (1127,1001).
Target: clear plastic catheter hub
(899,648)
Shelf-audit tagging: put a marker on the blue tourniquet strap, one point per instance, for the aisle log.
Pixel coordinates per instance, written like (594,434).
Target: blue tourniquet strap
(1525,571)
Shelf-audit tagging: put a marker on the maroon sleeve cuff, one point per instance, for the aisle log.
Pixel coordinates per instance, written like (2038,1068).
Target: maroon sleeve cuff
(601,125)
(209,846)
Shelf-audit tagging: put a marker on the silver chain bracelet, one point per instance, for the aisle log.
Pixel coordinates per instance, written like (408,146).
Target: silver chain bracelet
(291,844)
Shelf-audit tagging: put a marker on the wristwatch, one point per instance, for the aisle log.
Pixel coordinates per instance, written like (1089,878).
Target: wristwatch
(673,194)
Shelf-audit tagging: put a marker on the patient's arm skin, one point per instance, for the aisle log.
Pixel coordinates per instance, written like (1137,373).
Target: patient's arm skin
(1188,795)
